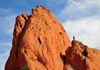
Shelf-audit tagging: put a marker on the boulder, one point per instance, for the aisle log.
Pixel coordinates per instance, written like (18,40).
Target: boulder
(81,57)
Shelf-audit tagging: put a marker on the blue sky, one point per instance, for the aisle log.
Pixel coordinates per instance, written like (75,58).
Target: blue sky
(80,18)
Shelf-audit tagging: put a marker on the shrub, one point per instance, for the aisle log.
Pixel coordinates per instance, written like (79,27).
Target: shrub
(25,68)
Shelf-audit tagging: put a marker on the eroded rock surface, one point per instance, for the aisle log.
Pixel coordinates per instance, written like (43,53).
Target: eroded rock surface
(80,57)
(39,41)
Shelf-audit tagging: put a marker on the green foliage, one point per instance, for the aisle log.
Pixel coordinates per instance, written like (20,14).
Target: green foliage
(25,68)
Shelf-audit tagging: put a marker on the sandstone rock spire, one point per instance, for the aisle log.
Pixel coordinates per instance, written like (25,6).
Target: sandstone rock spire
(39,41)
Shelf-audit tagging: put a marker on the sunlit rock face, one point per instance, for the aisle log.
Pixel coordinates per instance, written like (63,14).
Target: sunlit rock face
(39,41)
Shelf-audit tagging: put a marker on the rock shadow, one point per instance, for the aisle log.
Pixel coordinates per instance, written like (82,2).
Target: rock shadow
(63,57)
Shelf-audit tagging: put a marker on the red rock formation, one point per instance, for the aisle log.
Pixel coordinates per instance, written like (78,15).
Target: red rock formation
(39,41)
(80,57)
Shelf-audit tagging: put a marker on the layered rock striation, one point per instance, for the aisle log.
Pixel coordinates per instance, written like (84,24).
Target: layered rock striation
(39,41)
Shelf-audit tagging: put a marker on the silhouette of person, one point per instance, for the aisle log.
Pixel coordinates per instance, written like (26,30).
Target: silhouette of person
(73,37)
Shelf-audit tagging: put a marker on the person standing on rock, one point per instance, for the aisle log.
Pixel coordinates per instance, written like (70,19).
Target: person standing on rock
(73,37)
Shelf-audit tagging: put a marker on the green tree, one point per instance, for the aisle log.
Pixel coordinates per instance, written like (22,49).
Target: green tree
(25,68)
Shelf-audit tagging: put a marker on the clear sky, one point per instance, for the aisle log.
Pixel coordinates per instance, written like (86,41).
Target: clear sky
(80,18)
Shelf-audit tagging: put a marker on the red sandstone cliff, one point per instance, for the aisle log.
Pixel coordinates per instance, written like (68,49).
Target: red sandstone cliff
(40,42)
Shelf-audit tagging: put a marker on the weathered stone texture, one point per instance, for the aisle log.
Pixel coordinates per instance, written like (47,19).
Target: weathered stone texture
(39,42)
